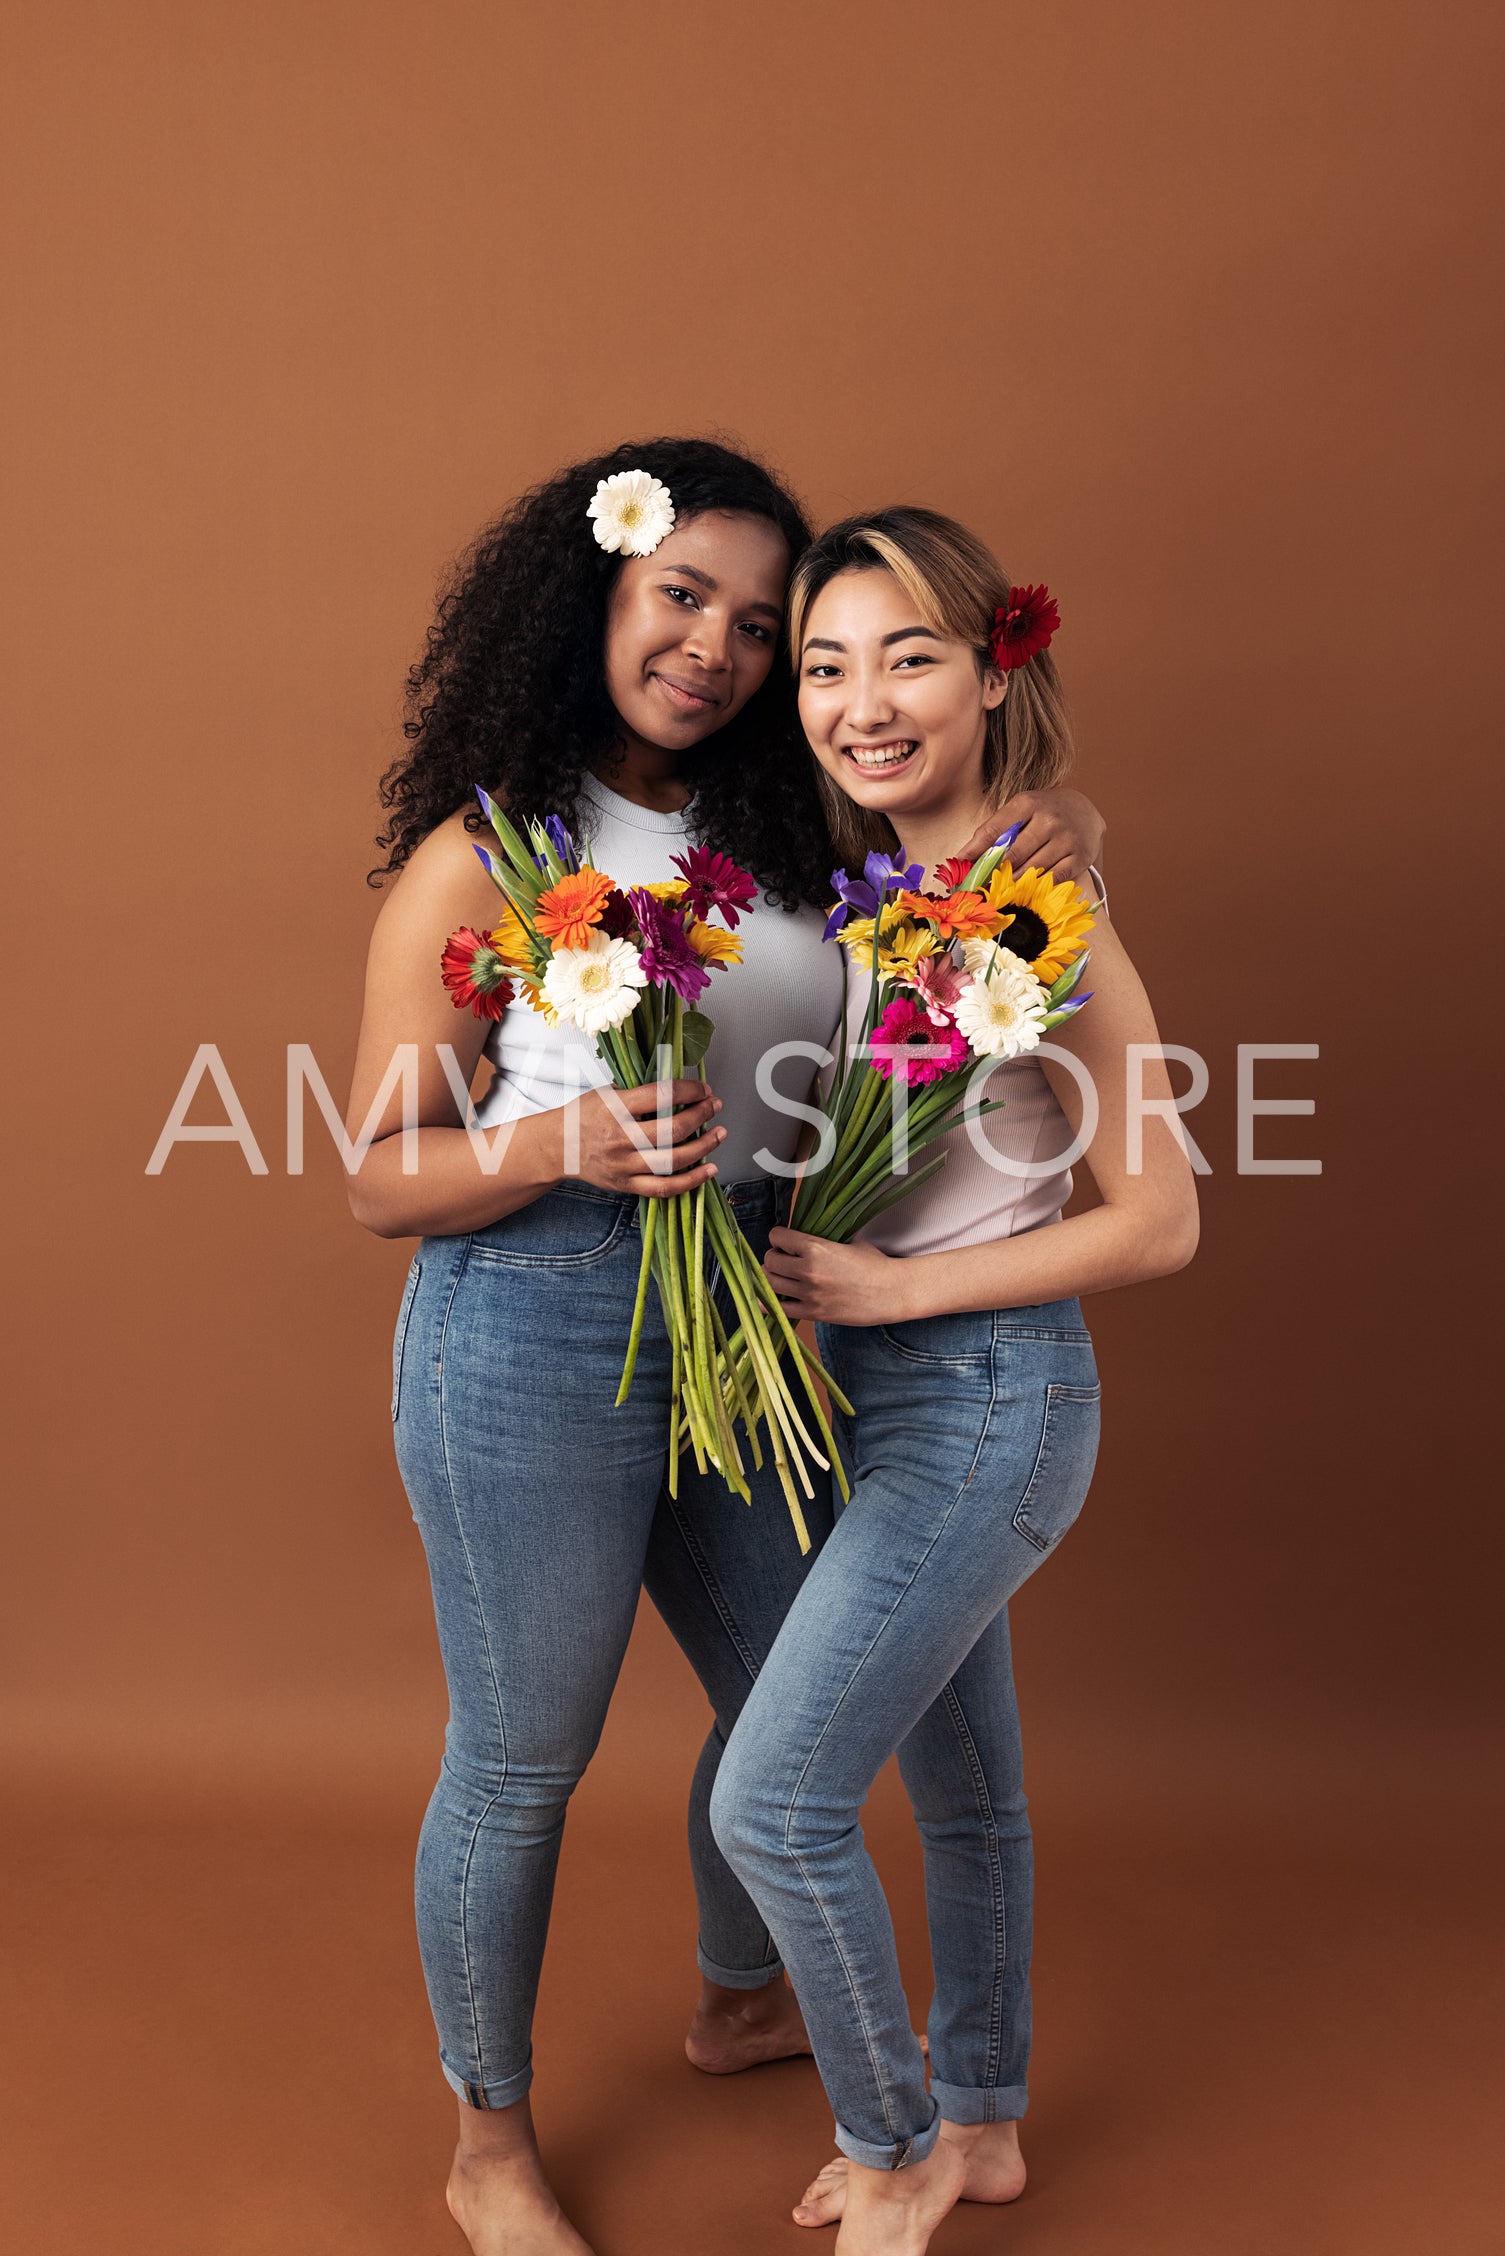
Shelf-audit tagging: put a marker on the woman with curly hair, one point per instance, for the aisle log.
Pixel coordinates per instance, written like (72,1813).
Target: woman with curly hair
(632,691)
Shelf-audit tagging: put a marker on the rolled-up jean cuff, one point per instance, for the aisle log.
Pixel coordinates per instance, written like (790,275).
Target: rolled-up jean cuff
(993,2103)
(489,2096)
(898,2155)
(738,1977)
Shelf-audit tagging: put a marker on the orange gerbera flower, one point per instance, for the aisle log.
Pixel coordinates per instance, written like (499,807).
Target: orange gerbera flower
(956,916)
(569,910)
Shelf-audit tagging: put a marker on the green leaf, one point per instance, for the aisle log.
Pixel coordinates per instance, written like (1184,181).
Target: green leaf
(1069,978)
(698,1030)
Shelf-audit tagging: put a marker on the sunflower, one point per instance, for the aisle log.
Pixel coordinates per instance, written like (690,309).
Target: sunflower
(712,945)
(569,910)
(1047,920)
(903,944)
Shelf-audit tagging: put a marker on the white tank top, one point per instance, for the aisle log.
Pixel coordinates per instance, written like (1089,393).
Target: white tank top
(788,987)
(970,1200)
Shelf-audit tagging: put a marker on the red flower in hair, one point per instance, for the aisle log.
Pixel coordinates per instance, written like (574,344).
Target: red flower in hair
(474,973)
(1024,629)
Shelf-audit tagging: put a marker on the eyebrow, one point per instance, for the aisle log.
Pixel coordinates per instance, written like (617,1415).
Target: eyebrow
(900,634)
(713,587)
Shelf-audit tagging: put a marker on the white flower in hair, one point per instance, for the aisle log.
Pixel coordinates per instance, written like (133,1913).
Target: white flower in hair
(632,512)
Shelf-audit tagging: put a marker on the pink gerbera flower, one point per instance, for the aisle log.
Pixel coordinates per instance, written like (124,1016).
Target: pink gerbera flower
(938,983)
(907,1041)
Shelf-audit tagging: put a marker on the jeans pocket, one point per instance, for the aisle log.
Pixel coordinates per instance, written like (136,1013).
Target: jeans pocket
(1063,1465)
(561,1230)
(951,1340)
(400,1336)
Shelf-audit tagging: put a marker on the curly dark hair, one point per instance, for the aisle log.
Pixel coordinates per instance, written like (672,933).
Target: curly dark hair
(511,693)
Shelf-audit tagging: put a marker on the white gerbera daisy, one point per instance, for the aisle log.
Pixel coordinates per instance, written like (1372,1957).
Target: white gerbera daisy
(1002,1007)
(596,986)
(632,512)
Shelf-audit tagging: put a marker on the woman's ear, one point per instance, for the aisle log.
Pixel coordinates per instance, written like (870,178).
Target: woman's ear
(994,688)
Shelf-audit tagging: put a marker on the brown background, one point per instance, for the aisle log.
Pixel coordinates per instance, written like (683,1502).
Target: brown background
(1187,308)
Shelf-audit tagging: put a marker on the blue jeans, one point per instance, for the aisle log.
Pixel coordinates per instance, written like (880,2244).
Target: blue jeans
(972,1448)
(543,1510)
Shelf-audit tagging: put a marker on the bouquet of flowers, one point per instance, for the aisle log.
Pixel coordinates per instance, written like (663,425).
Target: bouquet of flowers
(629,969)
(957,981)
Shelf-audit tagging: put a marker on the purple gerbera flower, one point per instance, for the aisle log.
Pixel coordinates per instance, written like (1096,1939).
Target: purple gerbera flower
(668,958)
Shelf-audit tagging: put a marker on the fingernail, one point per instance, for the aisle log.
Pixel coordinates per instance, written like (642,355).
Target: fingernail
(721,1135)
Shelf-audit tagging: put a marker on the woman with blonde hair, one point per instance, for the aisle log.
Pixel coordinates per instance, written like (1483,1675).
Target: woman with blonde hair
(928,696)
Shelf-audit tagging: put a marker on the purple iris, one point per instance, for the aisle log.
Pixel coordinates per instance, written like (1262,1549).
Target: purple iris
(1008,836)
(881,873)
(562,843)
(667,955)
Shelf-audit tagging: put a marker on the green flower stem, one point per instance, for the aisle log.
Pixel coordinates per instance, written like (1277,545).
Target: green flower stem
(729,1360)
(792,1341)
(647,1223)
(674,1420)
(694,1288)
(773,1392)
(755,1279)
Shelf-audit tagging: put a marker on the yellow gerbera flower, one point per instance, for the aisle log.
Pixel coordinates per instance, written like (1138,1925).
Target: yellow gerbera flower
(534,998)
(903,944)
(713,945)
(510,939)
(671,890)
(1047,920)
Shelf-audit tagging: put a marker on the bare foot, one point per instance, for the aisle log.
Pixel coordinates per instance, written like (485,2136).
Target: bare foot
(894,2212)
(497,2192)
(735,2029)
(994,2171)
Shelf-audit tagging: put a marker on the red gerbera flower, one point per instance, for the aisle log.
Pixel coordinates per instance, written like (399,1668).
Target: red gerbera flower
(715,882)
(1023,628)
(474,973)
(953,873)
(617,918)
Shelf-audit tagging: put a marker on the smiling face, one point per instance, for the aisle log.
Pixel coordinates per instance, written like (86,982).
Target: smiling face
(895,713)
(691,630)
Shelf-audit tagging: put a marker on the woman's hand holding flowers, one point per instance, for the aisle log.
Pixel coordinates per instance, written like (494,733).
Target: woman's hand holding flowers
(609,1156)
(823,1283)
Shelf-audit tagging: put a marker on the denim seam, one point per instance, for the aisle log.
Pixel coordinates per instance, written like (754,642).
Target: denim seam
(728,1622)
(713,1589)
(496,1690)
(1023,1331)
(789,1849)
(404,1318)
(995,1861)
